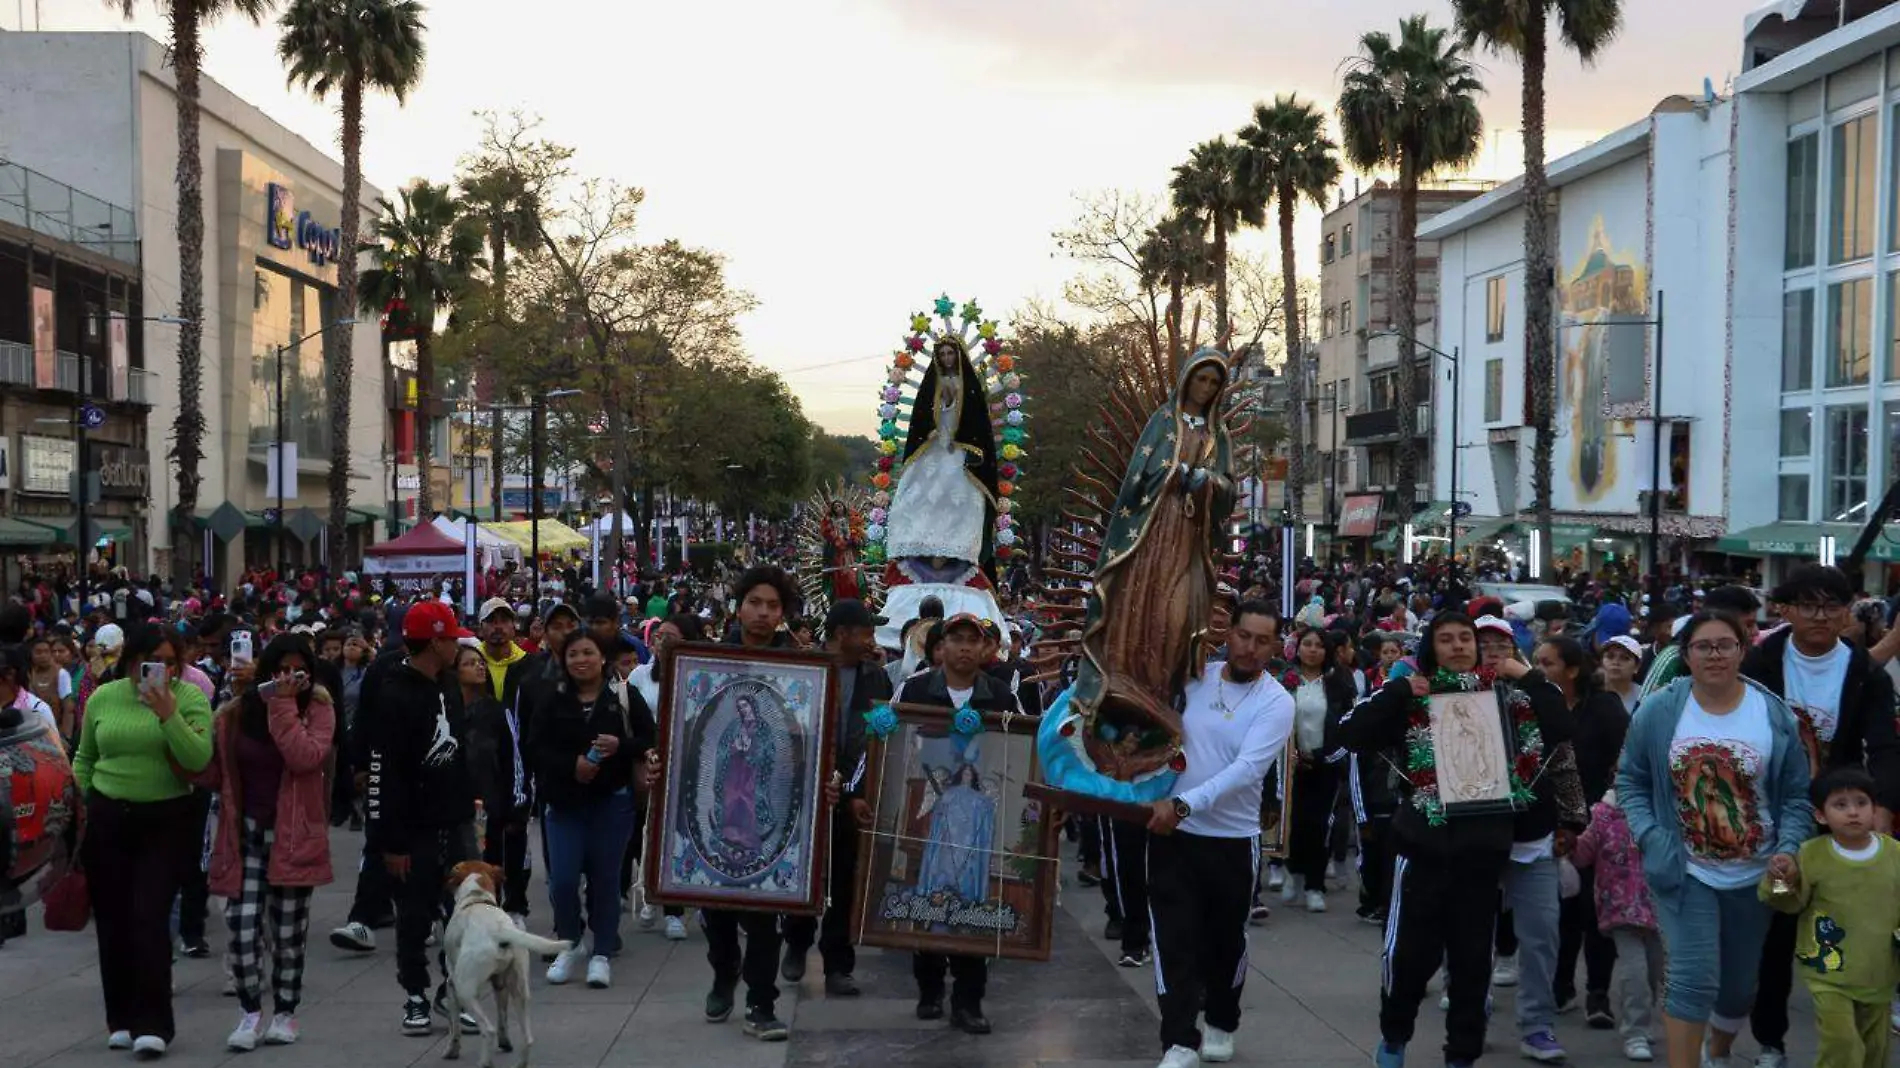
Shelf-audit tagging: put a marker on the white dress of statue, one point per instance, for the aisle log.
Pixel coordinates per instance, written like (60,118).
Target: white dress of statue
(938,507)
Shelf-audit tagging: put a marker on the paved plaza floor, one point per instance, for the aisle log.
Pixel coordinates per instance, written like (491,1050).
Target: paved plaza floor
(1311,1000)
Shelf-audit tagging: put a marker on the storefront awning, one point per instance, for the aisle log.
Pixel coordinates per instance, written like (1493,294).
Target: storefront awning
(66,528)
(1476,528)
(1567,536)
(20,534)
(1802,539)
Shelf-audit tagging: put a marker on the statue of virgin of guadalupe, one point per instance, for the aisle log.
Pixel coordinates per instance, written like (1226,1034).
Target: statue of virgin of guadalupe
(1148,613)
(945,505)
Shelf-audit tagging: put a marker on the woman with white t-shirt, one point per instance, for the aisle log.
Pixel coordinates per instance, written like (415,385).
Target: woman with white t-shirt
(1714,782)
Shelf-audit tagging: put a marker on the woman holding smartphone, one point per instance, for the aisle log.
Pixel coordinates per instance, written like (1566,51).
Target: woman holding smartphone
(144,734)
(273,846)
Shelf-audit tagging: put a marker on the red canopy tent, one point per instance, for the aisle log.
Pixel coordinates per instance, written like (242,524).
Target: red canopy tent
(424,550)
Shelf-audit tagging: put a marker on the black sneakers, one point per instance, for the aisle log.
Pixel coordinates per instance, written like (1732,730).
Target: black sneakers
(415,1015)
(970,1021)
(930,1008)
(719,1004)
(761,1024)
(793,969)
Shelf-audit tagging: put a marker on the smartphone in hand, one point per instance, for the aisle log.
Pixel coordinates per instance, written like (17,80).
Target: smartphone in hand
(151,676)
(241,647)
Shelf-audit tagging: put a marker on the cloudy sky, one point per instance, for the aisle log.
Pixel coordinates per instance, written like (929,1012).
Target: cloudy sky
(853,158)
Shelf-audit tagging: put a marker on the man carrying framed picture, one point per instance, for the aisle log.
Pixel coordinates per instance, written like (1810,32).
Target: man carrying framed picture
(960,681)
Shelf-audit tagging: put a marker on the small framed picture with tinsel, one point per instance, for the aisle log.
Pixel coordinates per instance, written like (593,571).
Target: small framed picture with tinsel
(1472,754)
(959,857)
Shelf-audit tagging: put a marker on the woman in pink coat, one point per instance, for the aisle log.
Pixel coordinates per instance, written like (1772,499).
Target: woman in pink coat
(272,847)
(1626,914)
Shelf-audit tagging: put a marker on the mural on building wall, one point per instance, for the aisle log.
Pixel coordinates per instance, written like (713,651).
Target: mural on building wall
(1604,358)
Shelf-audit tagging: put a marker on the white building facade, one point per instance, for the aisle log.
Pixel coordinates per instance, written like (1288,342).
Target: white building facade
(1762,229)
(99,110)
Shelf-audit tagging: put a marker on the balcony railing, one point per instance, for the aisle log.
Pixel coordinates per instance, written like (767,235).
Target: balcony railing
(16,364)
(46,206)
(141,388)
(1384,423)
(74,374)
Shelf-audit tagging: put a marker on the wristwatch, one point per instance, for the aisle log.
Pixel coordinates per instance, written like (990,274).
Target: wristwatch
(1181,809)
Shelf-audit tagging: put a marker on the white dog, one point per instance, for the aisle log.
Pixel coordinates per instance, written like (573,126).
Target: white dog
(484,949)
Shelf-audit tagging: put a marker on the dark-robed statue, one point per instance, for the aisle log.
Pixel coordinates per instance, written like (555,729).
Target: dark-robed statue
(1148,613)
(945,504)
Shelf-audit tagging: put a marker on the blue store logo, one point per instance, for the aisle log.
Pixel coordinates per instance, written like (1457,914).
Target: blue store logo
(287,227)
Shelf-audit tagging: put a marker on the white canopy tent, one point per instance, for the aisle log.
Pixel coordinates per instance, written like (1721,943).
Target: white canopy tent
(629,526)
(494,548)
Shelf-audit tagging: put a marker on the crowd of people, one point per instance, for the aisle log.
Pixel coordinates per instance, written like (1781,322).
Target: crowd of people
(1699,798)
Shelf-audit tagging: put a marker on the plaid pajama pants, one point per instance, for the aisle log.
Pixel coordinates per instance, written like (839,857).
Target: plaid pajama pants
(289,912)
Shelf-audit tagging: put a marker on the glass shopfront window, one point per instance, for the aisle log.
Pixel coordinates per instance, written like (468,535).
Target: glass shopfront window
(1804,180)
(1850,332)
(1851,190)
(284,309)
(1846,489)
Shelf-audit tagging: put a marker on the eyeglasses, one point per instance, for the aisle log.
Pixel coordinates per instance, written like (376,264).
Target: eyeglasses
(1722,648)
(1817,610)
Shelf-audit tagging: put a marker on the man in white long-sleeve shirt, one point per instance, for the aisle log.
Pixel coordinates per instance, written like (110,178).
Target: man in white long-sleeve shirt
(1205,846)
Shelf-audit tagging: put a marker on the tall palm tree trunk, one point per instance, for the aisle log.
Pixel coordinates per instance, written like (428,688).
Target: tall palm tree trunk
(1220,282)
(1406,297)
(1295,358)
(425,424)
(1177,284)
(1538,353)
(498,259)
(338,348)
(188,429)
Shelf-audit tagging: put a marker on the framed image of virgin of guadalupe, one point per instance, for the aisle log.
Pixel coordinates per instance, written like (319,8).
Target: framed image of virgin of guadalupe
(1471,744)
(958,858)
(746,739)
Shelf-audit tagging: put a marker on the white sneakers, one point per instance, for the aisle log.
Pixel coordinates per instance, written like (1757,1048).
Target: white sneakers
(648,916)
(1315,902)
(119,1040)
(675,929)
(1216,1045)
(1636,1048)
(1276,876)
(148,1046)
(1290,889)
(564,964)
(282,1030)
(1504,972)
(600,974)
(1771,1058)
(244,1038)
(1179,1057)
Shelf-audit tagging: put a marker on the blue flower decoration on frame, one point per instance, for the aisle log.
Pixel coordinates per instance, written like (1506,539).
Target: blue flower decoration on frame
(968,721)
(881,720)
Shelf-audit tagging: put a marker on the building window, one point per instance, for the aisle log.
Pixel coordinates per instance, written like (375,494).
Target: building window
(1345,394)
(1850,329)
(1793,498)
(1851,190)
(1892,414)
(284,309)
(1345,240)
(1797,340)
(1383,392)
(1493,390)
(1804,182)
(1494,308)
(1326,252)
(1796,432)
(1326,323)
(1346,324)
(1846,488)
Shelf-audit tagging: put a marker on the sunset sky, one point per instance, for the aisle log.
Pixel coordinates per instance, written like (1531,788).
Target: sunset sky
(853,158)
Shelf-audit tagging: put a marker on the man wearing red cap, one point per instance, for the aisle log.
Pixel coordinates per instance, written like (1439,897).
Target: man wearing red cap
(420,797)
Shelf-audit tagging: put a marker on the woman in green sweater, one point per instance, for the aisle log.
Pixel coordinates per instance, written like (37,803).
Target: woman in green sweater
(145,732)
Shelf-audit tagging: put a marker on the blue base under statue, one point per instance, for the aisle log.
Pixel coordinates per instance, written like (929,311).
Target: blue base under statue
(1066,767)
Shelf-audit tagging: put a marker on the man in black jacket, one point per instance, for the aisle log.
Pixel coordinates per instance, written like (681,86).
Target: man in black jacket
(374,905)
(1845,705)
(420,796)
(960,681)
(850,636)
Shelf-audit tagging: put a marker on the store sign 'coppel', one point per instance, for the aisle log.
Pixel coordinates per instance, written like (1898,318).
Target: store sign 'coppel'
(287,228)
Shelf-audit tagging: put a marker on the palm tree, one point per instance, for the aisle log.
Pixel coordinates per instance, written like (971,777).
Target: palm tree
(1410,103)
(1286,156)
(1521,27)
(500,198)
(1176,255)
(187,19)
(352,46)
(426,250)
(1208,189)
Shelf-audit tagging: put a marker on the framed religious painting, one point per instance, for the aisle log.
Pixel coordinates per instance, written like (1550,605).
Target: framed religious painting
(959,858)
(1472,751)
(738,819)
(1276,808)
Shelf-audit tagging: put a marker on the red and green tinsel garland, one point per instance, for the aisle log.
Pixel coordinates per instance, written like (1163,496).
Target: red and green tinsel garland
(1421,766)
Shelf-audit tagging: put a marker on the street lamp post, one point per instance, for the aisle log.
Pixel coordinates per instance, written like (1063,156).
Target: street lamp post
(277,461)
(1457,400)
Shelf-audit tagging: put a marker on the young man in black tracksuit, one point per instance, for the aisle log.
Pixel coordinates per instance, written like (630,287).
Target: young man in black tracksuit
(961,680)
(1374,802)
(1443,908)
(1845,705)
(374,903)
(850,634)
(420,802)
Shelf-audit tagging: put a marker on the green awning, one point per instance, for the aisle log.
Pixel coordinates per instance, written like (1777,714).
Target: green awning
(21,533)
(1567,536)
(1479,528)
(65,530)
(364,515)
(1802,539)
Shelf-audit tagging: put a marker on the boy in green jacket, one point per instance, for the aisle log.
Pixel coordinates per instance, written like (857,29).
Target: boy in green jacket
(1846,889)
